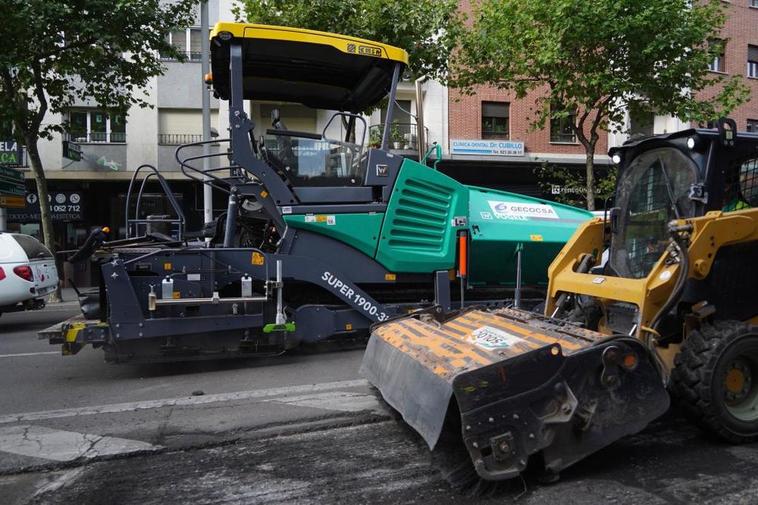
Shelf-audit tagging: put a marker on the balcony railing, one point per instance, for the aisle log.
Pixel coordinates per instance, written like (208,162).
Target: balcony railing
(403,136)
(177,139)
(189,55)
(96,137)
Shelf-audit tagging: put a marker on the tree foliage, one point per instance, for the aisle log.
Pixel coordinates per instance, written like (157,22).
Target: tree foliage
(57,53)
(426,29)
(599,58)
(566,185)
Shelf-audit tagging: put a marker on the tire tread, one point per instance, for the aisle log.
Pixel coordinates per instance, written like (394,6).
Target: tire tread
(692,376)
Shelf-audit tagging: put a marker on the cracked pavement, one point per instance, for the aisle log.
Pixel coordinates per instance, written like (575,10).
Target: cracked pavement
(300,429)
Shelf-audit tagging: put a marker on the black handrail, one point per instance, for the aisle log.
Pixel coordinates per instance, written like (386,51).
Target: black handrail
(191,171)
(180,219)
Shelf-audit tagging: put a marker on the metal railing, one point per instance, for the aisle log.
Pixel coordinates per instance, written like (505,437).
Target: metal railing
(137,226)
(177,139)
(189,55)
(403,136)
(96,137)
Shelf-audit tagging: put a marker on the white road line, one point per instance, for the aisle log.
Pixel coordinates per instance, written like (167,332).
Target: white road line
(181,401)
(59,445)
(58,353)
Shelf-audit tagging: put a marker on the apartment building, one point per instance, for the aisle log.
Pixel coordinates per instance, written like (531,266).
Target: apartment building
(490,142)
(89,167)
(739,56)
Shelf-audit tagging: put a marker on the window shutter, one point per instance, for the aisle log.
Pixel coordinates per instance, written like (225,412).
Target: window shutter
(494,109)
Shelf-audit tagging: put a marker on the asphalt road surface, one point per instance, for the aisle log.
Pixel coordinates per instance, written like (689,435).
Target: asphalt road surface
(299,429)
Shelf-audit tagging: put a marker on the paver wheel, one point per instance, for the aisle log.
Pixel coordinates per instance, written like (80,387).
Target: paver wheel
(715,379)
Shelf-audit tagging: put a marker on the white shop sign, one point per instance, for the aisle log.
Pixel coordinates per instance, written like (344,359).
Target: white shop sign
(487,147)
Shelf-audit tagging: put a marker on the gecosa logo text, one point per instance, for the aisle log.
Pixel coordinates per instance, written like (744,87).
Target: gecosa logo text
(521,211)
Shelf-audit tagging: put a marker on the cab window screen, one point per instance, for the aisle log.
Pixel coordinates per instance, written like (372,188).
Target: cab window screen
(749,182)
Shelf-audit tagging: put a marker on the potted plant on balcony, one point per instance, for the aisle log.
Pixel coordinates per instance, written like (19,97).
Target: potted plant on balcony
(375,137)
(396,136)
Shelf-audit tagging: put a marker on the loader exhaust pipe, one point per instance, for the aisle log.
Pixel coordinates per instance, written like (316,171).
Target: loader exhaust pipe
(517,291)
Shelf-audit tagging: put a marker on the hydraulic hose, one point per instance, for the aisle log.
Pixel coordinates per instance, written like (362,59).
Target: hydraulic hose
(684,266)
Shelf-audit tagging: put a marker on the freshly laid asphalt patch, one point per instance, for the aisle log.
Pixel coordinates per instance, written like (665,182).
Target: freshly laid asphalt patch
(382,463)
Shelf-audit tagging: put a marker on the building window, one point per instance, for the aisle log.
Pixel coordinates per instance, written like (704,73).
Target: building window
(752,61)
(183,126)
(187,42)
(495,120)
(752,125)
(561,130)
(718,64)
(641,123)
(96,126)
(754,3)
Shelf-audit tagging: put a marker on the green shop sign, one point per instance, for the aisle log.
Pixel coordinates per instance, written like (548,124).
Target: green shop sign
(10,153)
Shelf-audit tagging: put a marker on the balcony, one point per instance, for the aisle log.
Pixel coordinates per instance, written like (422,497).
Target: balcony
(189,55)
(177,139)
(96,137)
(403,138)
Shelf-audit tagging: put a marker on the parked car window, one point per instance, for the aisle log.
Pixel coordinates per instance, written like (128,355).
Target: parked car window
(33,248)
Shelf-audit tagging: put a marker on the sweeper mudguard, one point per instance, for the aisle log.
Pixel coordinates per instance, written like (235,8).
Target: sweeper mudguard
(524,385)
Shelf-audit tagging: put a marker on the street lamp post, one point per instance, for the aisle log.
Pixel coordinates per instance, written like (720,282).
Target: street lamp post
(205,64)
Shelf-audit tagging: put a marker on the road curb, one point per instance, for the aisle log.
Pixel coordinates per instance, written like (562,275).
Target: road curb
(257,434)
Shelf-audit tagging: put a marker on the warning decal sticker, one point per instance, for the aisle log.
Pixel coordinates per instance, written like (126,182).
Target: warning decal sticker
(490,338)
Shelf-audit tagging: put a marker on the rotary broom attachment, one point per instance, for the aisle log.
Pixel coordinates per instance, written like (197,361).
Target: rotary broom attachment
(495,389)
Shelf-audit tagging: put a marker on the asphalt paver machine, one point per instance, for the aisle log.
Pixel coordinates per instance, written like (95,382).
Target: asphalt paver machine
(656,300)
(322,236)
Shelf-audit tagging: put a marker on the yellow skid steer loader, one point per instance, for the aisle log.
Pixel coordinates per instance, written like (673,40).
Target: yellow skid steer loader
(657,299)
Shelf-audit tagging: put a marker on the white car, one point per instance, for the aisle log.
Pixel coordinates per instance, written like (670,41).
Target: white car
(27,272)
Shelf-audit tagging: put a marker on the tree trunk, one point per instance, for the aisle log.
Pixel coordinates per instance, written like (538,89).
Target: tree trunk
(590,165)
(46,218)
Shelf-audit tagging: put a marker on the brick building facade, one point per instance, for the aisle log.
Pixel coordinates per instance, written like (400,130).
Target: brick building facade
(740,57)
(468,119)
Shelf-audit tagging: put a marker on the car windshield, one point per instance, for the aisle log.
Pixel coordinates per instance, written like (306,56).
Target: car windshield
(652,191)
(311,162)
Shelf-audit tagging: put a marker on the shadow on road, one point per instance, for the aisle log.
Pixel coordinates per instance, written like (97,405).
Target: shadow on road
(18,322)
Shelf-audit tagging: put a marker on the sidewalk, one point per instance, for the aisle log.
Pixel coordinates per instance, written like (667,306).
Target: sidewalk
(68,300)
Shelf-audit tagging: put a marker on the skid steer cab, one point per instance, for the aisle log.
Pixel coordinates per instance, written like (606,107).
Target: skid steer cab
(655,301)
(322,236)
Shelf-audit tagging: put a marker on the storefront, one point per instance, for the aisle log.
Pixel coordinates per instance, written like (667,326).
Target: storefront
(506,165)
(78,206)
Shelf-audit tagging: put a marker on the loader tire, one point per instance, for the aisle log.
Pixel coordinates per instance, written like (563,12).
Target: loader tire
(715,380)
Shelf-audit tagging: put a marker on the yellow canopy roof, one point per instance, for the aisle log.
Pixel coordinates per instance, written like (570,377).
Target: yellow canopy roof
(318,69)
